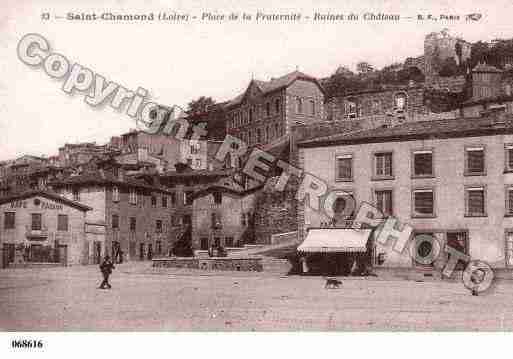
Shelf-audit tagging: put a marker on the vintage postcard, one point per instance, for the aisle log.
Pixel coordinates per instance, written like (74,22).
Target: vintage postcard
(293,166)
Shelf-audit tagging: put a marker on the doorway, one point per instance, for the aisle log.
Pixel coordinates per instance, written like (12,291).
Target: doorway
(141,251)
(459,241)
(8,254)
(150,251)
(63,254)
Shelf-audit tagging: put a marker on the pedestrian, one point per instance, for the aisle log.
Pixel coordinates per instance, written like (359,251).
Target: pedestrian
(106,268)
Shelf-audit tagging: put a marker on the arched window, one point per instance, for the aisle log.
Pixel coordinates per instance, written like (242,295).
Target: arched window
(250,115)
(299,105)
(268,109)
(400,101)
(351,108)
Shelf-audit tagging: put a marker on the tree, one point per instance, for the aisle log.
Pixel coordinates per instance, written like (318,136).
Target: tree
(199,105)
(364,67)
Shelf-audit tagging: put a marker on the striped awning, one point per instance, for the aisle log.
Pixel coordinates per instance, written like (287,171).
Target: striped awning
(335,240)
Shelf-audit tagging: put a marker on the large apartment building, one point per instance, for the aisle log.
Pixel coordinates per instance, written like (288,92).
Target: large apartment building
(268,109)
(452,179)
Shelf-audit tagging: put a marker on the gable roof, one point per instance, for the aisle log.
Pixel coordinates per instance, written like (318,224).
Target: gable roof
(226,185)
(102,178)
(433,129)
(275,85)
(49,195)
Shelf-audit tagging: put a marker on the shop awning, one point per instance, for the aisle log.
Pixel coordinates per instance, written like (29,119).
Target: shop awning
(335,240)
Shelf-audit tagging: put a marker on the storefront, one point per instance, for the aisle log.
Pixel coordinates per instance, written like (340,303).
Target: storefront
(42,227)
(336,251)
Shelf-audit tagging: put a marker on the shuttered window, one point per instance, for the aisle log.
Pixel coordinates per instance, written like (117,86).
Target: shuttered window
(344,167)
(9,220)
(423,202)
(509,201)
(62,222)
(423,163)
(475,201)
(509,157)
(37,221)
(383,164)
(475,163)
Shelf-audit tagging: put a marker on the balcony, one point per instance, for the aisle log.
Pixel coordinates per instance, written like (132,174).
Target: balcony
(36,234)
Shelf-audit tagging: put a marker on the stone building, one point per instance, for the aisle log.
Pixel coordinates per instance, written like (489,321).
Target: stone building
(222,215)
(440,46)
(268,109)
(399,101)
(72,154)
(167,149)
(448,178)
(491,91)
(135,217)
(42,227)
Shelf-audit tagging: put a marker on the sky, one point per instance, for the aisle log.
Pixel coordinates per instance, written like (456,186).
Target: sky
(177,62)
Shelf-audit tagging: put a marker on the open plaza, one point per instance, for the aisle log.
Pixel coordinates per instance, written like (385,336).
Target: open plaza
(148,299)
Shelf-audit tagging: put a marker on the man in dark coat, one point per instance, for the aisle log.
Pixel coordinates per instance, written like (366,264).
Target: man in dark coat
(106,268)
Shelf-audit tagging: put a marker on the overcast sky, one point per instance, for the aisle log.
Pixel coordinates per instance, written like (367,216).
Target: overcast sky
(177,62)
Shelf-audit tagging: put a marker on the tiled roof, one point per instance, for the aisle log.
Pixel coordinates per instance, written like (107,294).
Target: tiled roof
(225,185)
(101,178)
(448,128)
(49,195)
(198,173)
(481,67)
(276,84)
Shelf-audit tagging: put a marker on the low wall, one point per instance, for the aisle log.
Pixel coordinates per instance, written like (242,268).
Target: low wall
(243,264)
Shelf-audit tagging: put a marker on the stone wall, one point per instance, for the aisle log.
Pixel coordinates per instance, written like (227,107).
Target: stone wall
(249,264)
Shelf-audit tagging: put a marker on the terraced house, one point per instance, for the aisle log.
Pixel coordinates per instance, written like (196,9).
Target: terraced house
(452,179)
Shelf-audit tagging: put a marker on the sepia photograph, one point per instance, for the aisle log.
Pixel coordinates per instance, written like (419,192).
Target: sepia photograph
(218,168)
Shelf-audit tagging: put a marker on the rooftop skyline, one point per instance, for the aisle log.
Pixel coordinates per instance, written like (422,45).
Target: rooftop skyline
(178,62)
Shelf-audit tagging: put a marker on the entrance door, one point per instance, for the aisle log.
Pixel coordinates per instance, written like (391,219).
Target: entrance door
(458,241)
(8,254)
(63,254)
(150,251)
(509,249)
(141,251)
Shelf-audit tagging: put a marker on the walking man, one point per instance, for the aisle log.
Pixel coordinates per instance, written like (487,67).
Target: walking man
(106,268)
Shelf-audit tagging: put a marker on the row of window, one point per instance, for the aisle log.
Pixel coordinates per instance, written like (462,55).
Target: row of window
(424,202)
(262,135)
(244,117)
(159,224)
(135,198)
(422,163)
(36,221)
(353,107)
